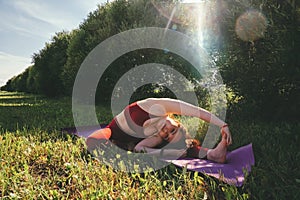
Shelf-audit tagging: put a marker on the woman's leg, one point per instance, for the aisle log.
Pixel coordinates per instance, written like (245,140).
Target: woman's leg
(96,138)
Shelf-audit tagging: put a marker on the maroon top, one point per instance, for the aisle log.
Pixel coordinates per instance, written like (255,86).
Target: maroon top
(135,117)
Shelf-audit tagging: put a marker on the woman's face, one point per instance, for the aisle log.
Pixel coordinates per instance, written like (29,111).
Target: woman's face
(169,131)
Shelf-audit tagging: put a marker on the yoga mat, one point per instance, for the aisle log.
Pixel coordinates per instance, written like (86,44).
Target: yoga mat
(232,172)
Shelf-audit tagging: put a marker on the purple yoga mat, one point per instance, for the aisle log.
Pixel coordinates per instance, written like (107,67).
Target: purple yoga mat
(232,172)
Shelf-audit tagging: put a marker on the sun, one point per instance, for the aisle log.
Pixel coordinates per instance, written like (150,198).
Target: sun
(200,13)
(196,15)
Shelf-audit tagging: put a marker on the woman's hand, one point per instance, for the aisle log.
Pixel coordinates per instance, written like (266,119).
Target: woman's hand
(226,133)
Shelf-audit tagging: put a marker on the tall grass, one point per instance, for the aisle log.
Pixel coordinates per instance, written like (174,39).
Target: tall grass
(37,161)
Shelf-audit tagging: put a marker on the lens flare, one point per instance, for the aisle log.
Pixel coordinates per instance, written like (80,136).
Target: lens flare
(200,17)
(174,12)
(251,26)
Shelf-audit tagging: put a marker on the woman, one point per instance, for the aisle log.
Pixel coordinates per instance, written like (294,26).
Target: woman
(148,126)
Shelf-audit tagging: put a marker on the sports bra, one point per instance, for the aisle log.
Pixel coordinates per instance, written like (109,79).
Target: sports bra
(135,117)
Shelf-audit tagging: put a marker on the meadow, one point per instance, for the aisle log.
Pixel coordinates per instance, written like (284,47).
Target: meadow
(38,161)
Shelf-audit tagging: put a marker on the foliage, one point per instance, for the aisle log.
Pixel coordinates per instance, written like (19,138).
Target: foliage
(17,83)
(39,161)
(156,89)
(106,21)
(44,76)
(55,67)
(264,74)
(49,63)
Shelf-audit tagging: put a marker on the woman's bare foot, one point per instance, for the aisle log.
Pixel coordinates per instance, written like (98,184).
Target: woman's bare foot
(218,154)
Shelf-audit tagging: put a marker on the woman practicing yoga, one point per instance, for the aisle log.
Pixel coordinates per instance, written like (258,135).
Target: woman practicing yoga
(147,125)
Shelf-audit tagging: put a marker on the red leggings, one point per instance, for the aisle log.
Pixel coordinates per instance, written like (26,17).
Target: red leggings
(104,133)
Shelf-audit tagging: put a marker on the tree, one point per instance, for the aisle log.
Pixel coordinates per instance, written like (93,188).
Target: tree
(106,21)
(49,64)
(263,73)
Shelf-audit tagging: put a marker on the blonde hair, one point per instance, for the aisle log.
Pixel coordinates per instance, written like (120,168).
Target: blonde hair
(183,130)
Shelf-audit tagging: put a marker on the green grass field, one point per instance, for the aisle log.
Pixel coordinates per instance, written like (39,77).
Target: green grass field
(37,161)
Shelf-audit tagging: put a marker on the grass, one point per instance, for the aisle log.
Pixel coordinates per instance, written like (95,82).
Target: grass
(39,162)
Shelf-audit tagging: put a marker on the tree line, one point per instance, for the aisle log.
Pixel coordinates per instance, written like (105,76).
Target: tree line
(262,75)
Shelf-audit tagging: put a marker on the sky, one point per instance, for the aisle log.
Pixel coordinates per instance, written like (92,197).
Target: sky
(26,25)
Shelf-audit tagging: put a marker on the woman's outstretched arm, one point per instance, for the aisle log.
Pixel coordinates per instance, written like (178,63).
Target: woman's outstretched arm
(164,106)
